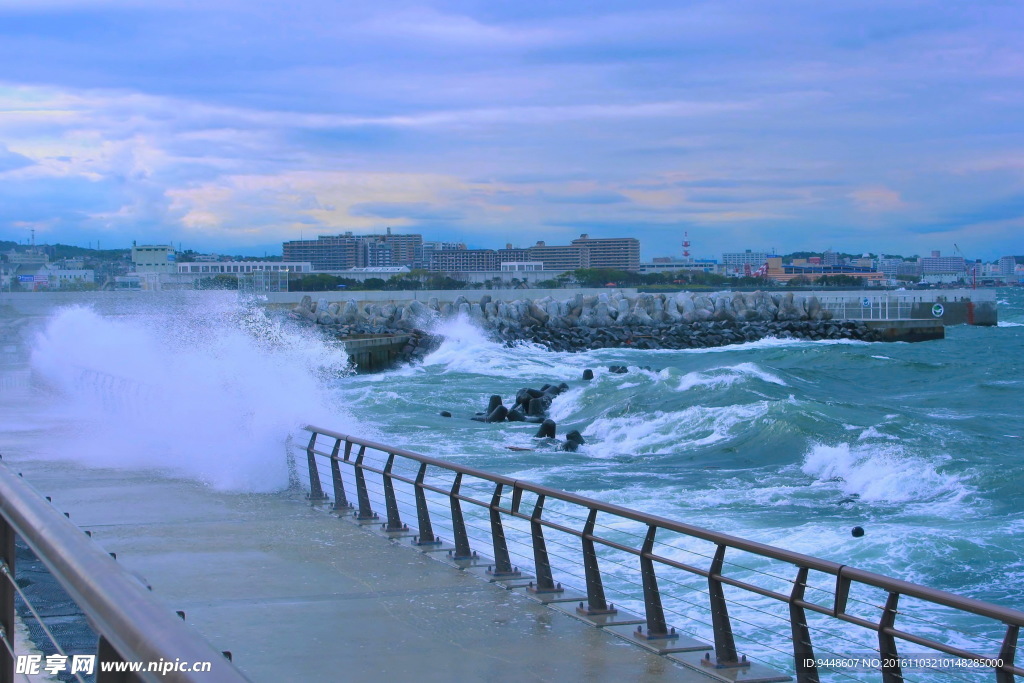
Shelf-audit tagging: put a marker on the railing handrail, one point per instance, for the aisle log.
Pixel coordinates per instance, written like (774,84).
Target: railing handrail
(725,649)
(116,604)
(1005,614)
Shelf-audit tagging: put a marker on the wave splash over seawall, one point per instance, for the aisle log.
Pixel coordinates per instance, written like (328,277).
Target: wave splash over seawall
(213,394)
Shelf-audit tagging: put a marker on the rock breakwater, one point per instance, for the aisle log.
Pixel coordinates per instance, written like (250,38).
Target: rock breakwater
(592,321)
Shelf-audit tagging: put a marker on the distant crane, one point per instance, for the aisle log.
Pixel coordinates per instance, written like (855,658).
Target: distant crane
(974,267)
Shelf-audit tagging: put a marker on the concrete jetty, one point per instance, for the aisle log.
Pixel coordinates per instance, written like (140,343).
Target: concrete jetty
(296,594)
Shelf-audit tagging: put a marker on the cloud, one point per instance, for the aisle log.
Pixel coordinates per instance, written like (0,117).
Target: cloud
(10,161)
(878,199)
(745,123)
(414,211)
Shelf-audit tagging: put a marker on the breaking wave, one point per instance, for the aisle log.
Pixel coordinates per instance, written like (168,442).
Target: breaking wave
(214,395)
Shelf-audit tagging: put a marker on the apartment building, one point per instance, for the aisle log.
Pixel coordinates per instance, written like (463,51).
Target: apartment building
(621,253)
(463,260)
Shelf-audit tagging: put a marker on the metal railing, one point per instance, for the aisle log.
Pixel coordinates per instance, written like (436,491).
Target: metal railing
(433,492)
(132,626)
(867,307)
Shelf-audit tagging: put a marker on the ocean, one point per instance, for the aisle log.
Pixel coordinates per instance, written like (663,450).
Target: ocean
(785,442)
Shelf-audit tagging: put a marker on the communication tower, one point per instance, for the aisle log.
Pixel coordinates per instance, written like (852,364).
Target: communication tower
(686,247)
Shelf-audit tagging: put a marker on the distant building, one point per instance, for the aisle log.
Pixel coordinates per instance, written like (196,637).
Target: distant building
(242,267)
(738,262)
(31,257)
(670,266)
(909,268)
(620,253)
(1007,266)
(326,252)
(783,273)
(63,278)
(521,266)
(890,267)
(463,260)
(936,264)
(430,248)
(153,258)
(347,250)
(554,257)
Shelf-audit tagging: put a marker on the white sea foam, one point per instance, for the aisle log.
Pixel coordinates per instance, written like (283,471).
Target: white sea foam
(667,432)
(872,433)
(1006,323)
(726,376)
(884,473)
(214,395)
(467,349)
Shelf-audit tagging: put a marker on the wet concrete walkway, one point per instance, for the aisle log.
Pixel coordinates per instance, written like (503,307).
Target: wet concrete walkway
(297,594)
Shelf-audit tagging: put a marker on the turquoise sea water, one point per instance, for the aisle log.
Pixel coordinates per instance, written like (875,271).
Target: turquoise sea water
(788,443)
(785,442)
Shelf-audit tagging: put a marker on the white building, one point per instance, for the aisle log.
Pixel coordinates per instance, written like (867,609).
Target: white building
(240,267)
(153,258)
(62,278)
(736,261)
(521,266)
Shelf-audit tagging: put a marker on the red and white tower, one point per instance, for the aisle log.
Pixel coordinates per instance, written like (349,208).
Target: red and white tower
(686,246)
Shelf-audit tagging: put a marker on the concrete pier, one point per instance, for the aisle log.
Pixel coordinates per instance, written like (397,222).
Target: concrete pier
(373,353)
(298,595)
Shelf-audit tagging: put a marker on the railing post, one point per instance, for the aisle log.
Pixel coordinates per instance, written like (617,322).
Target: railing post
(545,581)
(105,652)
(365,512)
(316,492)
(803,651)
(502,562)
(394,522)
(892,672)
(7,556)
(340,499)
(725,644)
(1007,653)
(426,535)
(462,551)
(657,629)
(596,603)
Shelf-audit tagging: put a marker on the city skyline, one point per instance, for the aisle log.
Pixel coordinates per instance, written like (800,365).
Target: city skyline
(890,127)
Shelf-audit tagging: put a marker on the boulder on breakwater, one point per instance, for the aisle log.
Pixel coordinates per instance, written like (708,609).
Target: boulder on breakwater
(606,320)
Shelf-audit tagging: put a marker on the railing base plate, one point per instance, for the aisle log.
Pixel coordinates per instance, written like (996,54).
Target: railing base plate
(548,598)
(616,618)
(497,577)
(660,646)
(755,673)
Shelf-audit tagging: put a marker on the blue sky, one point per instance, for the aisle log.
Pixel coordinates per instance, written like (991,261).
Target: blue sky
(893,126)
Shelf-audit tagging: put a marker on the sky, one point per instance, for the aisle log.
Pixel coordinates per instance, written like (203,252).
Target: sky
(892,126)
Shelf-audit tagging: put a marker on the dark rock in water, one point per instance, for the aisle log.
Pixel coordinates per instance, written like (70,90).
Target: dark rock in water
(575,436)
(538,407)
(588,374)
(546,431)
(573,440)
(493,403)
(445,413)
(497,415)
(515,416)
(618,369)
(857,531)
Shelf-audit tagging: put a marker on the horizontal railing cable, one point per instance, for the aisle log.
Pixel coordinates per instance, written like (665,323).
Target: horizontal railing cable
(518,513)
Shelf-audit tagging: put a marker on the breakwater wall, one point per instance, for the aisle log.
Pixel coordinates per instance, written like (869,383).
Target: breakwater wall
(592,321)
